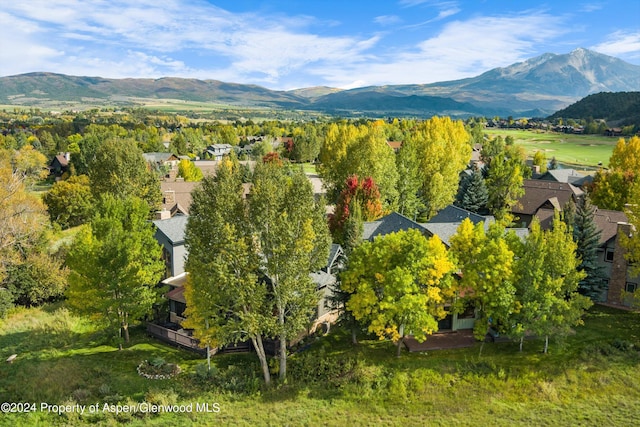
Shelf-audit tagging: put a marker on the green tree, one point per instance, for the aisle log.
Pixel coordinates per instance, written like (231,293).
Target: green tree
(540,159)
(189,171)
(306,143)
(632,242)
(485,262)
(587,237)
(291,232)
(547,283)
(410,202)
(444,150)
(118,168)
(36,277)
(70,202)
(610,189)
(399,283)
(115,265)
(504,182)
(473,194)
(226,300)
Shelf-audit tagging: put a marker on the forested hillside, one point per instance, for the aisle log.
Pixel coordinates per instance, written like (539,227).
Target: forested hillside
(617,108)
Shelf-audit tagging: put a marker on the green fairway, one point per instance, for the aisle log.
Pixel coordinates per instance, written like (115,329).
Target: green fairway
(591,378)
(572,150)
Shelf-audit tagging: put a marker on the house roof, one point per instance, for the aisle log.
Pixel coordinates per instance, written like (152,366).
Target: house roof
(542,193)
(173,228)
(159,157)
(61,159)
(607,221)
(181,192)
(395,145)
(444,230)
(177,295)
(570,176)
(176,281)
(454,213)
(322,278)
(334,253)
(391,223)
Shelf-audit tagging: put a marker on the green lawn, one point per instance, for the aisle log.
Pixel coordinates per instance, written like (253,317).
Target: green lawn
(574,150)
(592,378)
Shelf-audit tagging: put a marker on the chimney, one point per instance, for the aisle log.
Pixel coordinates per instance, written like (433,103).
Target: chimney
(169,197)
(163,214)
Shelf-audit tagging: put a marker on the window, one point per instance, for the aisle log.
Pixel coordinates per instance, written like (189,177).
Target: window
(631,287)
(608,255)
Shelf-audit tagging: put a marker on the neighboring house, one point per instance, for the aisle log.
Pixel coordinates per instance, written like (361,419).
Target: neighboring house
(446,222)
(176,197)
(612,224)
(168,160)
(170,234)
(543,195)
(391,223)
(569,176)
(395,222)
(59,164)
(395,145)
(217,151)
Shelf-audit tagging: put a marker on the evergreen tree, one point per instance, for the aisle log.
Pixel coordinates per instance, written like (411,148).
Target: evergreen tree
(587,237)
(473,195)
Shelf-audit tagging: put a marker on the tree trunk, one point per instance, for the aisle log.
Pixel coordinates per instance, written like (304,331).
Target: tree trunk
(546,343)
(400,340)
(257,344)
(283,357)
(521,341)
(125,329)
(354,336)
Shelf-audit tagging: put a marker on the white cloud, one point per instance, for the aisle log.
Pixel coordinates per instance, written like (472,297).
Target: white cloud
(387,20)
(462,49)
(620,43)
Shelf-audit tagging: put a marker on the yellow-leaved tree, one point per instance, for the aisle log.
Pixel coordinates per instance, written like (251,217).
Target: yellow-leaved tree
(399,284)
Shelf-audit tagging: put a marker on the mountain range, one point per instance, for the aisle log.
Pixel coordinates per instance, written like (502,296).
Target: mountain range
(536,87)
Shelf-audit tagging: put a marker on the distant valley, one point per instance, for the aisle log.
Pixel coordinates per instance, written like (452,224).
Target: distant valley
(537,87)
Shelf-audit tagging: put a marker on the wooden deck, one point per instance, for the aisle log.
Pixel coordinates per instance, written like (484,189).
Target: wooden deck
(441,341)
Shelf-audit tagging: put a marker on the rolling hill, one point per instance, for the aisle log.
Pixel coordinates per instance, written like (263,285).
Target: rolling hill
(536,87)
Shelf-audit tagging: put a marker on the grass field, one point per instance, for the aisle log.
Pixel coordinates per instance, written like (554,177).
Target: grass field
(592,378)
(571,150)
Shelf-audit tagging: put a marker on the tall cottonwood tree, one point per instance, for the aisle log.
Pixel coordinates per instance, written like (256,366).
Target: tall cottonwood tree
(485,261)
(115,265)
(289,227)
(226,300)
(119,169)
(547,284)
(399,283)
(444,150)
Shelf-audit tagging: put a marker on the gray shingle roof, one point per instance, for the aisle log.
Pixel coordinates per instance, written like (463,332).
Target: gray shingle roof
(453,213)
(391,223)
(173,228)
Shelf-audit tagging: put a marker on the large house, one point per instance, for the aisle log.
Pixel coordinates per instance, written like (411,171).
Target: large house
(541,197)
(170,233)
(545,196)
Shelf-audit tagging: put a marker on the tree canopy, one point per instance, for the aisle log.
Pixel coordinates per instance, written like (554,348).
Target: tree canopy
(399,283)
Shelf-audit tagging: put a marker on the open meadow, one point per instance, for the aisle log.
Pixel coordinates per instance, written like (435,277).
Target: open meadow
(571,150)
(592,378)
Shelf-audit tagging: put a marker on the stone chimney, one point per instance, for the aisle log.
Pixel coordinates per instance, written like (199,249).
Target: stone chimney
(163,214)
(169,197)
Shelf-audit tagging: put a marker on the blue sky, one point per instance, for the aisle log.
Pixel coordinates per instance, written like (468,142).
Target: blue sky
(292,44)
